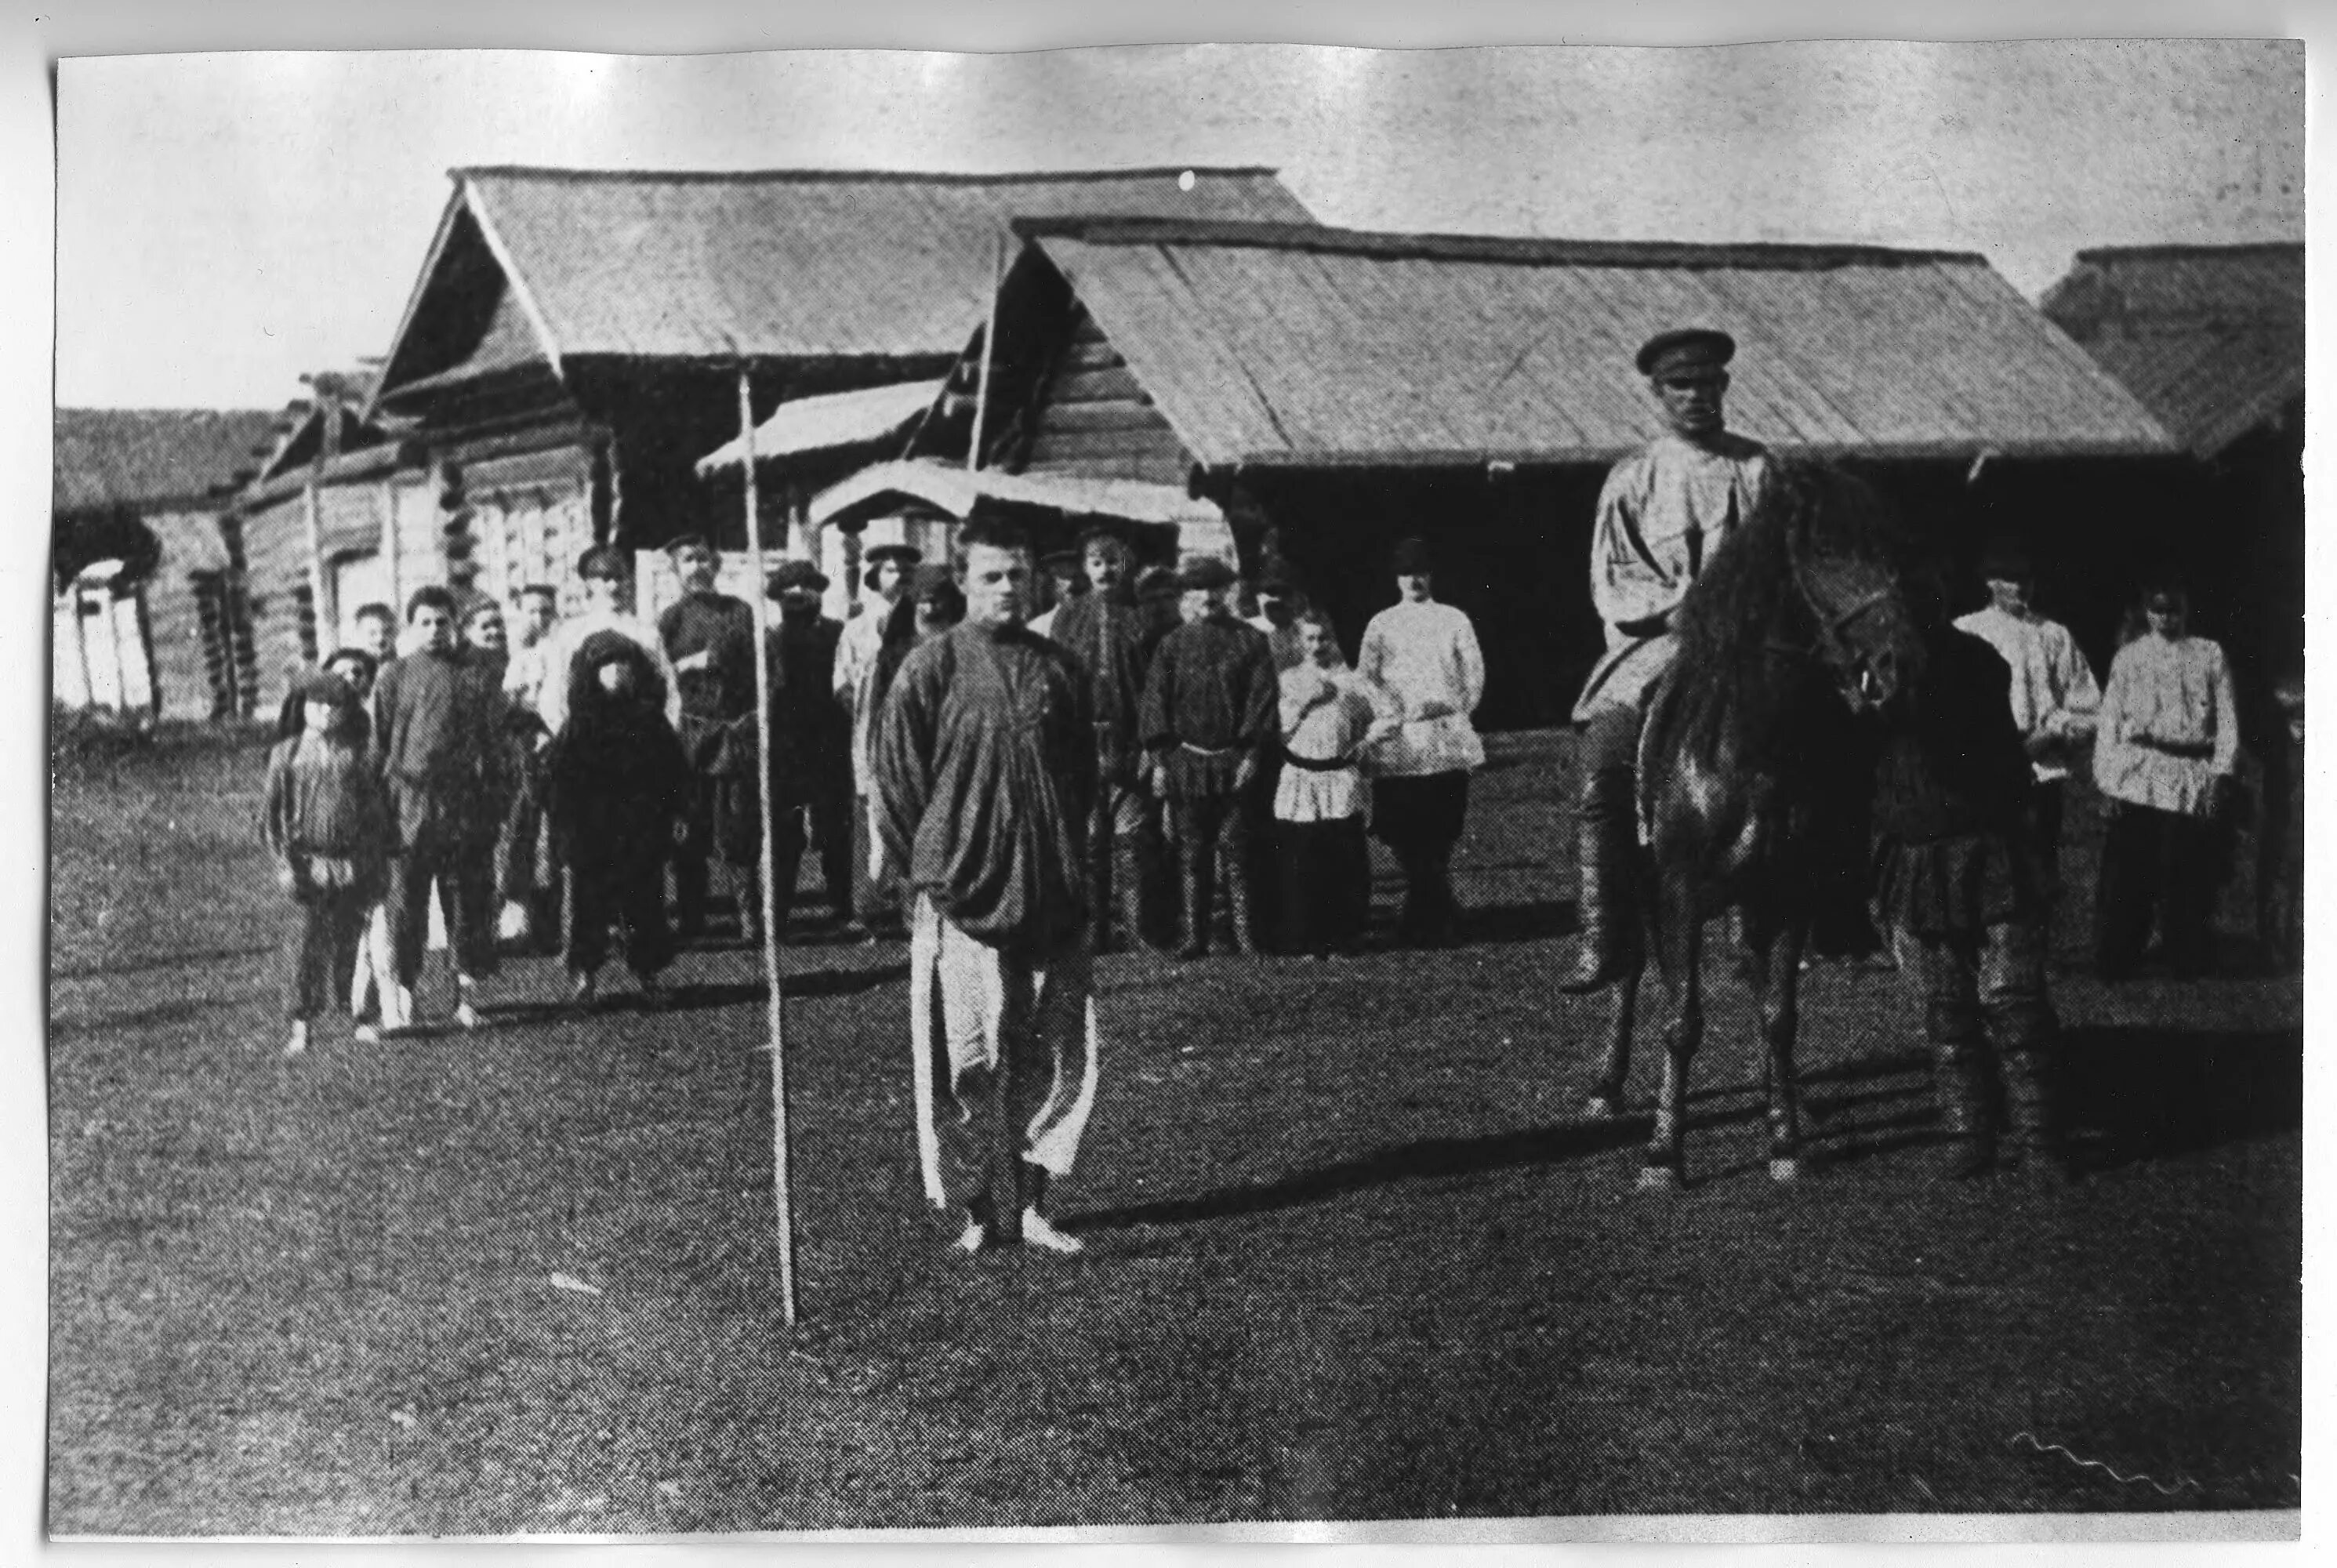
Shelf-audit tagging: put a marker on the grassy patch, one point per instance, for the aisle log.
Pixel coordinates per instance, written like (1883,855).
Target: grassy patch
(1354,1254)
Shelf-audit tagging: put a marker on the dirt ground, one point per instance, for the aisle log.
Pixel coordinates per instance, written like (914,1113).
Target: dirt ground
(1355,1253)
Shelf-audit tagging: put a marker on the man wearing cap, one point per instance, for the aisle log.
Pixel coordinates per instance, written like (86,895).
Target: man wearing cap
(1067,581)
(985,759)
(2055,700)
(709,637)
(606,575)
(1423,656)
(1665,511)
(1211,700)
(884,574)
(1103,630)
(811,743)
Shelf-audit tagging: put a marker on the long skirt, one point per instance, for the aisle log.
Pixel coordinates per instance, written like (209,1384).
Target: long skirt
(1005,1054)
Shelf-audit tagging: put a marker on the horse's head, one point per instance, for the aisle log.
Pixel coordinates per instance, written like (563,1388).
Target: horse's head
(1865,630)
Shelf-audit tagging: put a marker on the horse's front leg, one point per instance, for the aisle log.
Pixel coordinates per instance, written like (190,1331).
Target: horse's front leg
(1683,965)
(1615,1064)
(1777,981)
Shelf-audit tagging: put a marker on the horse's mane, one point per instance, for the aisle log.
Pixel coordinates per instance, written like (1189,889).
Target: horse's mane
(1746,597)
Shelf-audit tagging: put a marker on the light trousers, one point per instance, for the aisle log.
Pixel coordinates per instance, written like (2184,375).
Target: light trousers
(1006,1054)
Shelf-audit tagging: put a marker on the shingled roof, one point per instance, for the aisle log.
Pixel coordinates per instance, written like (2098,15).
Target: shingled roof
(152,459)
(547,265)
(2209,338)
(1271,344)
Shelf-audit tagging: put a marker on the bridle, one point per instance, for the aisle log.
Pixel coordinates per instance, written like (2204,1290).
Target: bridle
(1829,645)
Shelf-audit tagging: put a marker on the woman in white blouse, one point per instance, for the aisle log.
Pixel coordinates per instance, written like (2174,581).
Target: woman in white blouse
(2164,757)
(1424,656)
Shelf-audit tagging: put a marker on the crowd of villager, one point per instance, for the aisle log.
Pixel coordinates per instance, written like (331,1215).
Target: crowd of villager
(1017,763)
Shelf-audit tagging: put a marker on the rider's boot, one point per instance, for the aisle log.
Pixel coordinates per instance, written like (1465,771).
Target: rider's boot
(1606,841)
(1964,1082)
(2033,1142)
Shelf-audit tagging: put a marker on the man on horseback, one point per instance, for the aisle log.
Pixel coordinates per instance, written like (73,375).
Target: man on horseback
(1665,511)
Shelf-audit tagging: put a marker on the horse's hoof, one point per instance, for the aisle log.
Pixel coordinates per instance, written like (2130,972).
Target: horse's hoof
(1658,1179)
(1599,1108)
(1786,1169)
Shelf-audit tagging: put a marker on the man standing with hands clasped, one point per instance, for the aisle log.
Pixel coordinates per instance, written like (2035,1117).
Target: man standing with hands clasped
(1664,513)
(1211,701)
(985,767)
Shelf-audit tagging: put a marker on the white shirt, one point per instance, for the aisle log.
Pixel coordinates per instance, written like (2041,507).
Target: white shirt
(1425,654)
(558,651)
(2178,692)
(2053,688)
(1321,728)
(855,662)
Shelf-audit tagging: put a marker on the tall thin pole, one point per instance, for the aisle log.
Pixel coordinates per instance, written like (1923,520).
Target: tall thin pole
(317,560)
(759,601)
(989,352)
(390,541)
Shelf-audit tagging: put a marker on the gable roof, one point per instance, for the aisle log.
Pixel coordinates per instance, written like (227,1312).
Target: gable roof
(1280,345)
(153,458)
(2209,338)
(550,264)
(824,424)
(956,490)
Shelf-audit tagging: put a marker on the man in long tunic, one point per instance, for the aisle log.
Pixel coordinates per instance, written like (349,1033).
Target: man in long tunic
(1664,513)
(811,743)
(1104,630)
(2055,700)
(1211,699)
(708,636)
(884,572)
(1425,658)
(985,766)
(606,574)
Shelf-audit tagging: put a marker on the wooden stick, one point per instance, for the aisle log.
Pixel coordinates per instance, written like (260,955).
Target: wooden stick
(989,352)
(758,600)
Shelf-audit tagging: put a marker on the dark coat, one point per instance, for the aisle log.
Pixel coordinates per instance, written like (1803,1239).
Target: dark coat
(614,777)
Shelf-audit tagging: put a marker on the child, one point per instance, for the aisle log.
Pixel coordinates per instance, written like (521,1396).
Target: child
(327,825)
(616,789)
(1329,715)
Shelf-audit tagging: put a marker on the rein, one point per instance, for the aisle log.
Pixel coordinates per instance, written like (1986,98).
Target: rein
(1830,627)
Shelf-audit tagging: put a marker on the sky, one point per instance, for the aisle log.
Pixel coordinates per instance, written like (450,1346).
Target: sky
(226,222)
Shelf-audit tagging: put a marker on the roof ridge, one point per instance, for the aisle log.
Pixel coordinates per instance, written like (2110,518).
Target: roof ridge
(1490,248)
(2185,249)
(903,176)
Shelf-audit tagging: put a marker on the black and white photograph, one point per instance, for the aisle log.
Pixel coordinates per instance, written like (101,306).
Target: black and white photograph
(1227,792)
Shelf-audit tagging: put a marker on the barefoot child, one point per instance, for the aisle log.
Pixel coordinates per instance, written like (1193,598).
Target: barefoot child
(326,825)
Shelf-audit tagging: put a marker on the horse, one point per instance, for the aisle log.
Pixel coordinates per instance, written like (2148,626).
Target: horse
(1794,648)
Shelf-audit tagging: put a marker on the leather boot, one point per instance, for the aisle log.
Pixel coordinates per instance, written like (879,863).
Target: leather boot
(2033,1133)
(1241,895)
(784,868)
(1960,1071)
(1099,901)
(1127,884)
(1193,871)
(1606,848)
